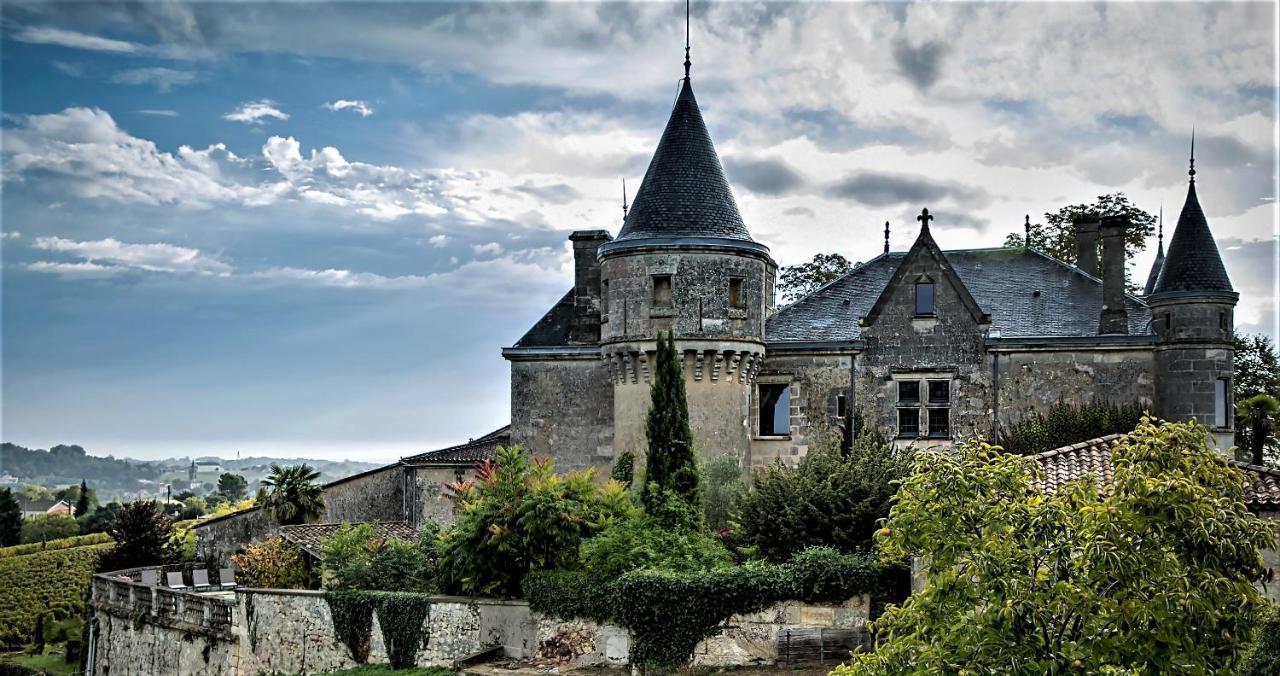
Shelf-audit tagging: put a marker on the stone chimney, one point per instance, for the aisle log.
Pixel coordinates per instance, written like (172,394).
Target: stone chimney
(1087,243)
(1114,318)
(585,328)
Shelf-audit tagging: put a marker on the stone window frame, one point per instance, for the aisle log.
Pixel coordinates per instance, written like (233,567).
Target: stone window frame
(1222,386)
(792,392)
(924,403)
(737,292)
(604,300)
(653,289)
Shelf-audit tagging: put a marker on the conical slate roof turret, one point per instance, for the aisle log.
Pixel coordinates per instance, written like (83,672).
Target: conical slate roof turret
(1193,263)
(684,193)
(1154,276)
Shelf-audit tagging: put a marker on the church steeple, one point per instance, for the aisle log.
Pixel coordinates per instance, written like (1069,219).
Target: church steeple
(1193,263)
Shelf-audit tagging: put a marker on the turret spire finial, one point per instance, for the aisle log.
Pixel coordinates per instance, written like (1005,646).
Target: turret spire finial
(1160,228)
(624,199)
(924,219)
(886,236)
(687,62)
(1026,228)
(1192,171)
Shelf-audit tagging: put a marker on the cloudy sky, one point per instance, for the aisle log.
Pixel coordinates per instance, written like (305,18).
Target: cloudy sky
(308,228)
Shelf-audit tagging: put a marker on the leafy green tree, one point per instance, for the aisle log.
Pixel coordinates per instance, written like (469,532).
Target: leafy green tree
(1057,235)
(1149,573)
(642,543)
(82,500)
(291,495)
(274,563)
(233,487)
(48,527)
(101,520)
(1257,371)
(1258,414)
(670,466)
(832,498)
(10,519)
(796,281)
(356,557)
(624,468)
(144,536)
(519,516)
(722,489)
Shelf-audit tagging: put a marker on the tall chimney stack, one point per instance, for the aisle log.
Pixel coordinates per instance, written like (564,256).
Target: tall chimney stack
(585,328)
(1087,243)
(1114,318)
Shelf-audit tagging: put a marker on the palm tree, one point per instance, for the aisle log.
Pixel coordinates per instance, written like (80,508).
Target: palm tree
(1258,415)
(291,495)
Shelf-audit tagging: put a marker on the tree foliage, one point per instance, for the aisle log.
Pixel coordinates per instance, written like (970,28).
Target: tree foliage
(233,487)
(830,499)
(100,520)
(10,519)
(144,536)
(82,499)
(1257,372)
(291,495)
(670,466)
(274,563)
(1057,235)
(1065,423)
(1257,416)
(642,543)
(519,516)
(624,468)
(722,489)
(1150,573)
(47,527)
(356,557)
(796,281)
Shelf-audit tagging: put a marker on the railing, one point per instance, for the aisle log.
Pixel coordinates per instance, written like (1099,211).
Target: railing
(122,593)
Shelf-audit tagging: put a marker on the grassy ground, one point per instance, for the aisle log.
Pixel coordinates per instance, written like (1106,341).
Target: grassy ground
(48,663)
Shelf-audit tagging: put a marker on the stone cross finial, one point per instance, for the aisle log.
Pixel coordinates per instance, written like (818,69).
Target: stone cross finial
(924,219)
(1026,226)
(886,236)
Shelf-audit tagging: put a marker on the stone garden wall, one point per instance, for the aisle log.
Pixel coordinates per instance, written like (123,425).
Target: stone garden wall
(278,631)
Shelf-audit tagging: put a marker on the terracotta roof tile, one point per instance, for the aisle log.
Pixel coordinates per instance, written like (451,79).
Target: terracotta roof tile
(309,536)
(475,450)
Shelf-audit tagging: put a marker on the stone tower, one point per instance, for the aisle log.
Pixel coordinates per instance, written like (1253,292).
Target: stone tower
(1192,306)
(684,262)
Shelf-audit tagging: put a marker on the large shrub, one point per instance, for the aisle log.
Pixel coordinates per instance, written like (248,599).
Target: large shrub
(144,536)
(1065,424)
(1264,656)
(642,543)
(356,557)
(832,499)
(1150,573)
(519,515)
(722,490)
(274,563)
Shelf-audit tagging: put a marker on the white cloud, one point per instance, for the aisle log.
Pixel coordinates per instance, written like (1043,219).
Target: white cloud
(490,249)
(81,270)
(439,241)
(44,35)
(158,112)
(150,257)
(163,79)
(343,104)
(254,112)
(10,235)
(69,69)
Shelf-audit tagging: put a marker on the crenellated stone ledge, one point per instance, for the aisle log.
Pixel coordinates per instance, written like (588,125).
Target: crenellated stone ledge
(711,361)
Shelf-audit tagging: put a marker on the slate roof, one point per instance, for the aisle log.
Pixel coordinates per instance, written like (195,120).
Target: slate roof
(1261,489)
(553,328)
(1193,263)
(1154,276)
(1004,282)
(475,450)
(684,192)
(310,536)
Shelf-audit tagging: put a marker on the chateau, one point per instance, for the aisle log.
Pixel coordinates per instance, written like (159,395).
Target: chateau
(931,346)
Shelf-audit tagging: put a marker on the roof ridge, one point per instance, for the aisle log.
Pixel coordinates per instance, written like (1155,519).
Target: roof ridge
(1077,270)
(846,275)
(1079,445)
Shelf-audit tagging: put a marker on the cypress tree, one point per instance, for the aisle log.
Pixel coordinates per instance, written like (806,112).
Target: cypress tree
(670,467)
(82,502)
(10,519)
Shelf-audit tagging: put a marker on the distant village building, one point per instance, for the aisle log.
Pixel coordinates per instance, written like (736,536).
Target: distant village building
(930,346)
(34,508)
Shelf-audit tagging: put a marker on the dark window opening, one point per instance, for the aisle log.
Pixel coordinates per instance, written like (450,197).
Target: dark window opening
(908,391)
(604,297)
(924,299)
(939,391)
(1222,321)
(842,406)
(939,422)
(735,292)
(775,410)
(908,422)
(662,289)
(1168,322)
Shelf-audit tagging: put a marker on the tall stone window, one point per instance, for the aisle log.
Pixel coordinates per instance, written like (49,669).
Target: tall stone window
(774,412)
(735,293)
(662,290)
(604,299)
(924,299)
(1221,411)
(924,408)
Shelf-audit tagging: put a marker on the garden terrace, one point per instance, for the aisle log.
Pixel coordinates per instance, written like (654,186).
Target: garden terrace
(124,594)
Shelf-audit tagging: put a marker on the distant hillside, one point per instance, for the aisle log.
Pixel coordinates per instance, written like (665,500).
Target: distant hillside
(64,465)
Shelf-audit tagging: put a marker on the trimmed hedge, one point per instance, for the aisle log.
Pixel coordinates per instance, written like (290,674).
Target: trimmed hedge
(668,613)
(63,543)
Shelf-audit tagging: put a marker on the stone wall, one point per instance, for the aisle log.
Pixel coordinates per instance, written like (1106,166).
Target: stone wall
(563,407)
(1032,381)
(817,381)
(220,538)
(430,495)
(278,631)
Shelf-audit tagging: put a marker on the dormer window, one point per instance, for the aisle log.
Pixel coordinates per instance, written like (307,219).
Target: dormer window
(735,293)
(662,290)
(924,299)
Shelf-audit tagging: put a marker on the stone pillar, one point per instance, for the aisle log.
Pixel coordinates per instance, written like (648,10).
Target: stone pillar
(586,285)
(1114,319)
(1087,244)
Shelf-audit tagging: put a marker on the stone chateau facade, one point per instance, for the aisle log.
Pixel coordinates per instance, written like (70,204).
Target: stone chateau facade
(931,346)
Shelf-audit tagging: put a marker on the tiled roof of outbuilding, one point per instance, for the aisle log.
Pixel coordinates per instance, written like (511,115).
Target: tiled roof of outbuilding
(1261,489)
(475,450)
(1193,263)
(309,537)
(684,192)
(1027,294)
